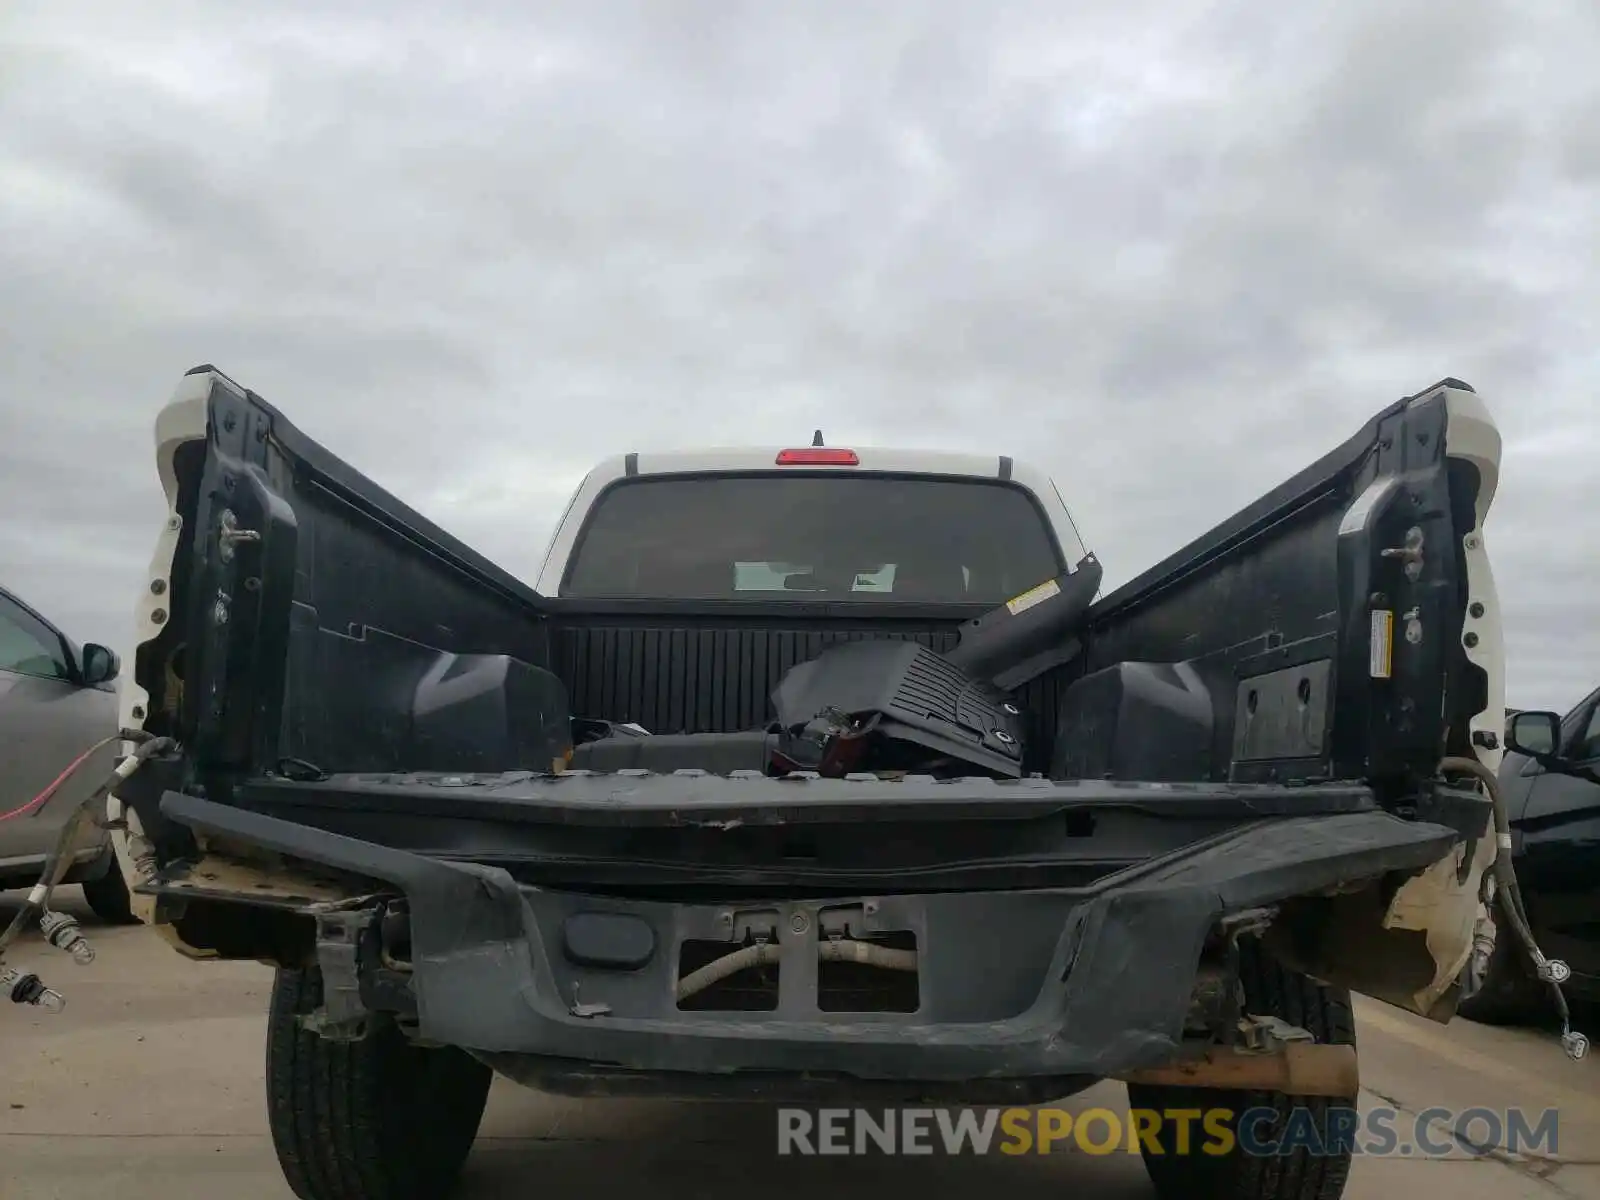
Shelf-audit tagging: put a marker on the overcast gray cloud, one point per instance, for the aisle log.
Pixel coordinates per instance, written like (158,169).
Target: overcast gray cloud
(1171,250)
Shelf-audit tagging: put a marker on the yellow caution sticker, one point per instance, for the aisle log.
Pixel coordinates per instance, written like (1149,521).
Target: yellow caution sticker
(1381,653)
(1032,596)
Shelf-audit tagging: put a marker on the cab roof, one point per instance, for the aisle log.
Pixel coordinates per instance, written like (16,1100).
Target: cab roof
(716,459)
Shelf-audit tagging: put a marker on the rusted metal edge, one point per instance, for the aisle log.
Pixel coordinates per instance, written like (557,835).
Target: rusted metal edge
(1297,1069)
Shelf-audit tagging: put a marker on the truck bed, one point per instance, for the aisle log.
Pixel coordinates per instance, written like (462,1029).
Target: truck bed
(358,596)
(366,707)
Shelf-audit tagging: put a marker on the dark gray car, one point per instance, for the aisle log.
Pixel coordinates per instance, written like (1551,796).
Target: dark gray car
(57,699)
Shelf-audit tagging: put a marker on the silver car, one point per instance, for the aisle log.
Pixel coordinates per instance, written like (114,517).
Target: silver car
(57,700)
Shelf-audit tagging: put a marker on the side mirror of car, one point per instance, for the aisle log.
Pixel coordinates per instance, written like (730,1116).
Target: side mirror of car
(1538,735)
(99,664)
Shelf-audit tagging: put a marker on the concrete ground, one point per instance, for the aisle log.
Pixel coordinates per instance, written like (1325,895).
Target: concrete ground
(150,1085)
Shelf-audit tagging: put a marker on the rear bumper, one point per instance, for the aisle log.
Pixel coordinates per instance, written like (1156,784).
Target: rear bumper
(1086,982)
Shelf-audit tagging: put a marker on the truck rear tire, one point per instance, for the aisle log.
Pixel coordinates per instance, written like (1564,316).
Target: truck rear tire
(1301,1172)
(377,1119)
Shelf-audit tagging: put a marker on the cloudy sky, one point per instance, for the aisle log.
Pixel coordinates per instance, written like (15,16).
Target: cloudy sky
(1173,250)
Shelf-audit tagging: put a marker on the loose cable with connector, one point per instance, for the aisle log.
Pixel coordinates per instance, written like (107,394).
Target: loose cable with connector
(1508,893)
(55,784)
(21,988)
(59,860)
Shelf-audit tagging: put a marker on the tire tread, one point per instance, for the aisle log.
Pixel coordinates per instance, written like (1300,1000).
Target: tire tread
(378,1119)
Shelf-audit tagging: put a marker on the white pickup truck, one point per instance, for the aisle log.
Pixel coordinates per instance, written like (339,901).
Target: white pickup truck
(813,773)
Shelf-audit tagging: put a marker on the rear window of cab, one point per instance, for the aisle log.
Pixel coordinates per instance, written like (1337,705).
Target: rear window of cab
(851,537)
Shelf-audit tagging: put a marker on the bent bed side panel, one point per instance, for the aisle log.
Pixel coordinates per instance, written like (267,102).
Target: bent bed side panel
(319,603)
(1320,622)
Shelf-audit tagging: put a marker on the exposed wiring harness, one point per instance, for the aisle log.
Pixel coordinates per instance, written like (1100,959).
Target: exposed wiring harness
(1508,894)
(884,957)
(718,969)
(766,953)
(55,784)
(60,930)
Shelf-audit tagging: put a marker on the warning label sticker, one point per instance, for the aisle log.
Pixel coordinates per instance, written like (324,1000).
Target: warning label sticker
(1032,596)
(1381,664)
